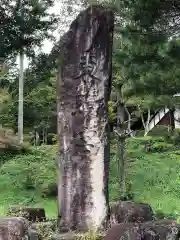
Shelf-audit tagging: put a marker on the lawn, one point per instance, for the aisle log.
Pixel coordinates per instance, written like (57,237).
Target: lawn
(23,176)
(154,175)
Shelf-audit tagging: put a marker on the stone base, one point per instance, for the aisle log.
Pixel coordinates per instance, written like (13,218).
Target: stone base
(78,236)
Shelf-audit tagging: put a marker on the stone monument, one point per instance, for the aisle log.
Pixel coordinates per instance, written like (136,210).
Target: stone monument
(84,85)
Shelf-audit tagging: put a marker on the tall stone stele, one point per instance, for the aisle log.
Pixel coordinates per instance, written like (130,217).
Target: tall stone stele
(84,85)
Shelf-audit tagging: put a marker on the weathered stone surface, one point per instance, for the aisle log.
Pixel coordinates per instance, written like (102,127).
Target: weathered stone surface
(160,230)
(128,231)
(127,211)
(33,214)
(13,228)
(84,84)
(155,230)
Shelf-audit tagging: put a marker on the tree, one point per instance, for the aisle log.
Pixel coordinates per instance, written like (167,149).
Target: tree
(5,98)
(145,68)
(30,24)
(39,95)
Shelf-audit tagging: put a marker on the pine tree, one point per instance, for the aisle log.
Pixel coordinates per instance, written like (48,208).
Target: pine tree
(145,58)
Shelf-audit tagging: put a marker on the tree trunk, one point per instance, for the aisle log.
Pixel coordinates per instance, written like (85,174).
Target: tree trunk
(46,135)
(37,138)
(84,86)
(129,121)
(146,129)
(145,124)
(20,104)
(43,134)
(121,118)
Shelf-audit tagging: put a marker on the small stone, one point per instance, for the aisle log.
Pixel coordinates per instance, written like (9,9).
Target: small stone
(13,228)
(154,230)
(127,231)
(160,230)
(127,211)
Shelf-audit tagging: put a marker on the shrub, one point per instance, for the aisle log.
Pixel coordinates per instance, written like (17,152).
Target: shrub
(30,171)
(173,137)
(49,190)
(139,133)
(129,195)
(159,130)
(28,182)
(90,235)
(159,215)
(52,138)
(157,146)
(45,230)
(176,137)
(17,212)
(161,147)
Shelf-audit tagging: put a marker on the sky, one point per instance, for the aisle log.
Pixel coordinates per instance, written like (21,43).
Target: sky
(47,45)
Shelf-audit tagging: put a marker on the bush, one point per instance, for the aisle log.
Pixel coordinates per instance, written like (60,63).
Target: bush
(176,137)
(52,138)
(90,235)
(49,190)
(129,195)
(159,215)
(17,212)
(139,133)
(159,130)
(160,147)
(173,137)
(45,230)
(30,171)
(153,145)
(28,182)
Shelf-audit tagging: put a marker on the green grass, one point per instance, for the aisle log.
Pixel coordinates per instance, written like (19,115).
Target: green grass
(155,176)
(21,178)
